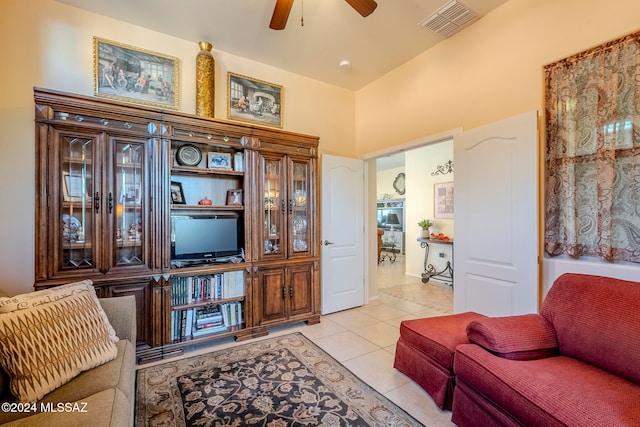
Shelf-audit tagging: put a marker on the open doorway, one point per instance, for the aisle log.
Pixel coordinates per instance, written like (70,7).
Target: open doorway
(405,184)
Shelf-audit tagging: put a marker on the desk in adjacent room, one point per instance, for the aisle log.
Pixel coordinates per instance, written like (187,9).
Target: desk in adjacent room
(446,274)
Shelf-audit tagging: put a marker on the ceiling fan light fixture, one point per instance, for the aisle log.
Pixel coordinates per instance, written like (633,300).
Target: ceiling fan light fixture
(280,14)
(283,7)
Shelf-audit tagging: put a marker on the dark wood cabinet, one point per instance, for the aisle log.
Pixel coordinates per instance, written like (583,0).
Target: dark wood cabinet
(286,193)
(99,204)
(113,178)
(286,293)
(142,291)
(273,295)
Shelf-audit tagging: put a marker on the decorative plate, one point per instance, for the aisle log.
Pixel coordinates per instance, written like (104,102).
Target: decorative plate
(399,184)
(188,155)
(299,225)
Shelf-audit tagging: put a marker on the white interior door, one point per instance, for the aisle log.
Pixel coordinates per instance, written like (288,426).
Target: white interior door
(342,233)
(496,208)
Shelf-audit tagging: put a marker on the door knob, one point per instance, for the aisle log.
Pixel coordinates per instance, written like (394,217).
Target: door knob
(326,242)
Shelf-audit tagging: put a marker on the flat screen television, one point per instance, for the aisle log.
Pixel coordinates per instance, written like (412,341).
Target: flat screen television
(205,238)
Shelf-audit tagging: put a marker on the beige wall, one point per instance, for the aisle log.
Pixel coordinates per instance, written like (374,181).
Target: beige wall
(488,72)
(384,183)
(48,44)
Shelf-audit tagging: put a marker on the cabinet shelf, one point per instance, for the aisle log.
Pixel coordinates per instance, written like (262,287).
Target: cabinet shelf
(186,170)
(77,160)
(228,331)
(89,201)
(208,302)
(128,243)
(87,245)
(76,245)
(208,207)
(129,165)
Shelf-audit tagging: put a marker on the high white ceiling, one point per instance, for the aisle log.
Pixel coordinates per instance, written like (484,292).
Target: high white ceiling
(332,32)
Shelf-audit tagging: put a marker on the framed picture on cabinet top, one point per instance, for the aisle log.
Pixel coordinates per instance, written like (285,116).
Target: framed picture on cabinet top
(443,200)
(218,160)
(234,197)
(254,101)
(177,195)
(136,75)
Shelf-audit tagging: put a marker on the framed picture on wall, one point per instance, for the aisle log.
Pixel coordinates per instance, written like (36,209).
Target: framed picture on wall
(443,200)
(131,74)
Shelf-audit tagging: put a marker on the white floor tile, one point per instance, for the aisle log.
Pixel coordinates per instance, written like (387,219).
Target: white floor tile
(380,333)
(376,369)
(345,345)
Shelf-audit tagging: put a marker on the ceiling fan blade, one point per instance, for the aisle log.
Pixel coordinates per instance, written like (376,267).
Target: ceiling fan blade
(363,7)
(280,14)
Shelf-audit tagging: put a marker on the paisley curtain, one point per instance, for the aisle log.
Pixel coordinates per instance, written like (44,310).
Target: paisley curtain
(592,153)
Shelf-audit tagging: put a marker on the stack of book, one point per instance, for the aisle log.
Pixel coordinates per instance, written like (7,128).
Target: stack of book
(198,321)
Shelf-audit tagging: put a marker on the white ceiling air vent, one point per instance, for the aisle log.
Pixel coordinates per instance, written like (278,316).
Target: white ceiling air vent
(450,18)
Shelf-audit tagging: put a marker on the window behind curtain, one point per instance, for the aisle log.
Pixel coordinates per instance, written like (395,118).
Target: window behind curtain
(592,186)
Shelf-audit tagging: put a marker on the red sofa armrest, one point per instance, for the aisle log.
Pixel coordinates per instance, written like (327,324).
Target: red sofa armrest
(524,337)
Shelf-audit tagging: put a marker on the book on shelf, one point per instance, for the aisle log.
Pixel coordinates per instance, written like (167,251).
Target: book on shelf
(211,330)
(194,289)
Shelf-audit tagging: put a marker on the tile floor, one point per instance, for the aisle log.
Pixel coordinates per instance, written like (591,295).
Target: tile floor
(363,339)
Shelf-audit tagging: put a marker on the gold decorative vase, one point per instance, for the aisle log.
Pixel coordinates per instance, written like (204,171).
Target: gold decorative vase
(205,90)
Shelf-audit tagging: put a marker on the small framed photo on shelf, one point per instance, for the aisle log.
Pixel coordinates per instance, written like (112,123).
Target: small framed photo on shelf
(234,197)
(132,194)
(219,160)
(72,188)
(177,195)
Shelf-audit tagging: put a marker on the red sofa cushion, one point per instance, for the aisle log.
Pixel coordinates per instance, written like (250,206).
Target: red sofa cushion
(560,390)
(525,337)
(597,320)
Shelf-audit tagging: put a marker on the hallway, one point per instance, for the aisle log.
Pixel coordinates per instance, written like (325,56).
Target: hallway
(394,284)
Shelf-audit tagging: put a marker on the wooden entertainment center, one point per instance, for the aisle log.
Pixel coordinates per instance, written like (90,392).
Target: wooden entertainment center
(212,225)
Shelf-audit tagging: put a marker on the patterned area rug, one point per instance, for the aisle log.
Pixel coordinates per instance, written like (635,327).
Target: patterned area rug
(277,382)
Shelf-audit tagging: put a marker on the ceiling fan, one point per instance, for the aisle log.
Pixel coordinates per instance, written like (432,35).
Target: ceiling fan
(283,7)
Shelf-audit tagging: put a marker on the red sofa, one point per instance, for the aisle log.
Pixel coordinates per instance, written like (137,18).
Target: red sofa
(577,363)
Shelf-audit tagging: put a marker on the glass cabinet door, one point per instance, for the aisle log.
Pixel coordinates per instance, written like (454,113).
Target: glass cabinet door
(76,238)
(274,206)
(126,203)
(299,206)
